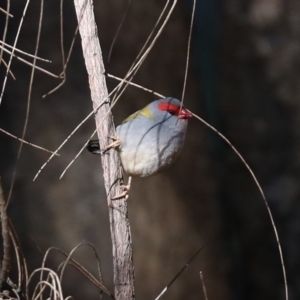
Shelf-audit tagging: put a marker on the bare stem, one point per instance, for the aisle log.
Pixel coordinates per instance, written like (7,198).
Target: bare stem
(6,243)
(112,172)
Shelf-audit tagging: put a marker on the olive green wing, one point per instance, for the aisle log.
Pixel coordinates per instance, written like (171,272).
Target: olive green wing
(145,112)
(131,117)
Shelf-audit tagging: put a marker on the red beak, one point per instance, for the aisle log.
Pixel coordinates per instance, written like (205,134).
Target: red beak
(184,114)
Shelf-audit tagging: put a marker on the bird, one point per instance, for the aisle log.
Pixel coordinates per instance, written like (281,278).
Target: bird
(149,140)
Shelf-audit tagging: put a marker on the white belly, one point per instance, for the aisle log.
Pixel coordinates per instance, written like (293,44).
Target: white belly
(146,162)
(145,152)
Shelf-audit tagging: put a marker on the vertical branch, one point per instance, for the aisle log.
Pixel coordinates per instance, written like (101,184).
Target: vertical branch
(112,172)
(6,243)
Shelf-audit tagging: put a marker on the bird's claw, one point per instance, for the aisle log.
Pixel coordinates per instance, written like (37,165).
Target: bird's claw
(116,143)
(125,189)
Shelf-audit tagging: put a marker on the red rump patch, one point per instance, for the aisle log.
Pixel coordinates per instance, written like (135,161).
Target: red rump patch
(165,106)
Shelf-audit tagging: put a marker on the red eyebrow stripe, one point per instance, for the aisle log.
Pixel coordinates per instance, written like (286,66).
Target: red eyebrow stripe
(165,106)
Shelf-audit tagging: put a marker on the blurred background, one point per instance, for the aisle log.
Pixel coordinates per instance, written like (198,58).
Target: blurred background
(243,79)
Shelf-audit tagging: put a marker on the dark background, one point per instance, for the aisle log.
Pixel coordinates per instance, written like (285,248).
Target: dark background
(243,79)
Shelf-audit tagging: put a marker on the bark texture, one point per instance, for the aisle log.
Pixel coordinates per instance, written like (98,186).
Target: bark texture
(5,265)
(112,172)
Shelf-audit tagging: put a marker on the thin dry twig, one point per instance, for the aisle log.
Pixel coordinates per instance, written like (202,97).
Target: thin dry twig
(263,197)
(5,28)
(64,60)
(63,74)
(16,294)
(135,62)
(154,28)
(71,261)
(13,50)
(55,285)
(134,84)
(77,155)
(10,71)
(188,54)
(7,13)
(68,137)
(20,259)
(84,271)
(149,37)
(29,63)
(62,48)
(181,270)
(28,143)
(136,65)
(25,53)
(203,285)
(118,31)
(28,98)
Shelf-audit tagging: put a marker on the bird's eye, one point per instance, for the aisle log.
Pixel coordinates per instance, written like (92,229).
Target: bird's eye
(171,112)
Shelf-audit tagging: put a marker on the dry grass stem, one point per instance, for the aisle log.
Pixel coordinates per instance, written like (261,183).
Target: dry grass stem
(5,28)
(10,71)
(63,74)
(22,52)
(141,57)
(135,85)
(28,63)
(7,13)
(118,31)
(14,47)
(28,143)
(181,270)
(72,262)
(263,197)
(52,282)
(20,258)
(188,54)
(29,94)
(203,285)
(66,140)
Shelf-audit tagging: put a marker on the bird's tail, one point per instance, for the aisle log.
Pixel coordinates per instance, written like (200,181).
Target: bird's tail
(94,147)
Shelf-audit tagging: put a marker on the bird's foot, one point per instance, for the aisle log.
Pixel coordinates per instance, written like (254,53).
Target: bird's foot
(115,144)
(125,192)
